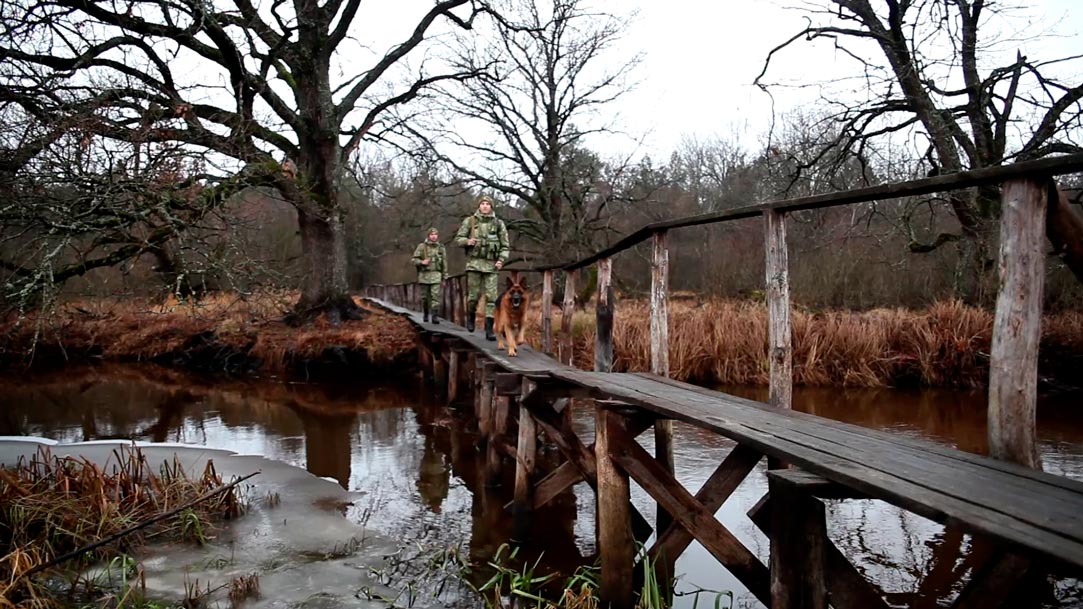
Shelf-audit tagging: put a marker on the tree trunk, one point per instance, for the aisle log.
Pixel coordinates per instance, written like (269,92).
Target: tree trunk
(324,289)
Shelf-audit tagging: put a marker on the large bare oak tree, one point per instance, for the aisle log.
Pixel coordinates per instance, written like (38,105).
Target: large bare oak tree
(927,68)
(250,85)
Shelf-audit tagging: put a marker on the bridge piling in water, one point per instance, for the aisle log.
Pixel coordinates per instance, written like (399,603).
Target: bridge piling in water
(1032,517)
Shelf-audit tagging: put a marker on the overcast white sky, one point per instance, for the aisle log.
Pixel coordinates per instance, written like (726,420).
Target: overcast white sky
(701,56)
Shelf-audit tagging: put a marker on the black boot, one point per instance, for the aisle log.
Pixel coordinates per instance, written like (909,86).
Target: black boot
(471,312)
(489,329)
(435,316)
(425,309)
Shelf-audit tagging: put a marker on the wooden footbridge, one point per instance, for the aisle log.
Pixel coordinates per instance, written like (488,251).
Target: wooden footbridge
(1034,519)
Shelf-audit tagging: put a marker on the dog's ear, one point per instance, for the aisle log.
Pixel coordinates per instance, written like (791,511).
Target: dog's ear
(522,283)
(511,282)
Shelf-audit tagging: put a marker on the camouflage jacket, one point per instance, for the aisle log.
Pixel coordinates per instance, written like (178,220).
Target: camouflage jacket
(436,271)
(492,242)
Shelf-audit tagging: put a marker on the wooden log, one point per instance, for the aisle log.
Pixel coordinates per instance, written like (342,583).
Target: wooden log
(439,372)
(556,482)
(659,329)
(779,343)
(615,541)
(566,313)
(1013,363)
(604,312)
(453,376)
(499,427)
(526,455)
(992,584)
(486,371)
(547,312)
(508,384)
(798,537)
(673,540)
(694,517)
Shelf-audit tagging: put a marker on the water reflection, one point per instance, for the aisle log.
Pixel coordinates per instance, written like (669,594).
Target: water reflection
(423,479)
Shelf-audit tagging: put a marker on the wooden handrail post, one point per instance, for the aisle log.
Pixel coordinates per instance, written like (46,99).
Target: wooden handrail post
(547,312)
(779,342)
(1013,363)
(659,328)
(566,313)
(526,451)
(604,313)
(616,544)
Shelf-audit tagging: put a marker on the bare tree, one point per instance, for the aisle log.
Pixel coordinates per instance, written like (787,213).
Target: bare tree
(521,131)
(289,91)
(923,63)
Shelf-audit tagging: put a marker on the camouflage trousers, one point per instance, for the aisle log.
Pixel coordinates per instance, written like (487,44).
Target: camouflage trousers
(476,282)
(430,296)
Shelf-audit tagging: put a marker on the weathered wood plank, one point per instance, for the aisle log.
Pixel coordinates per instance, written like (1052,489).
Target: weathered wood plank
(725,479)
(526,456)
(798,536)
(615,540)
(659,329)
(454,375)
(508,383)
(873,473)
(565,476)
(566,313)
(846,587)
(991,586)
(962,179)
(497,430)
(1013,361)
(715,537)
(942,452)
(547,313)
(779,345)
(604,312)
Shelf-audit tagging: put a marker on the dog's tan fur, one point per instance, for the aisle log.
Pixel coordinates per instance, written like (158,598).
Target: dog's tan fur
(510,321)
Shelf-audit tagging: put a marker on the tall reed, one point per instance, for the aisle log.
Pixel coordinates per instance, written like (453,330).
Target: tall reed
(725,341)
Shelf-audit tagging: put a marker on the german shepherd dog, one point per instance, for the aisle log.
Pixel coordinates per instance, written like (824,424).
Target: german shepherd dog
(511,306)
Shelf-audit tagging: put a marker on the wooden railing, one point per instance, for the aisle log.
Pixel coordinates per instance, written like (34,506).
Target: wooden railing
(1016,333)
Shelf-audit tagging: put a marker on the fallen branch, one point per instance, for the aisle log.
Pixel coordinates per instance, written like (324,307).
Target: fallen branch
(135,527)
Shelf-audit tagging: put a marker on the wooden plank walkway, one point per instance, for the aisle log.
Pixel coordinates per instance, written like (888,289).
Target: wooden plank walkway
(1036,518)
(1033,510)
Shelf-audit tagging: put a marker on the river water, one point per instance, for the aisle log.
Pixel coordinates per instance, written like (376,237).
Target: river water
(410,473)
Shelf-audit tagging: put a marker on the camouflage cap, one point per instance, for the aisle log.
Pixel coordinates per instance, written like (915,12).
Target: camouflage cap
(432,229)
(484,198)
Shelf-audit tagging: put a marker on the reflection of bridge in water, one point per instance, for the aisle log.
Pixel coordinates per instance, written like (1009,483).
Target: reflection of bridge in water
(1024,522)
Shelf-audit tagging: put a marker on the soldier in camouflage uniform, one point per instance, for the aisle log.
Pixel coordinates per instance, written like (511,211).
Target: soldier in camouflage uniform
(486,241)
(430,258)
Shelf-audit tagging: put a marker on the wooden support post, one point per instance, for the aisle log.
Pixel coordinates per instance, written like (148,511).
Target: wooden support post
(798,536)
(484,401)
(439,371)
(524,469)
(604,313)
(659,328)
(779,344)
(615,542)
(453,374)
(566,313)
(496,437)
(547,312)
(1013,363)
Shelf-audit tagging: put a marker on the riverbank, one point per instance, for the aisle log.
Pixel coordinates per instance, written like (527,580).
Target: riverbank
(220,333)
(712,341)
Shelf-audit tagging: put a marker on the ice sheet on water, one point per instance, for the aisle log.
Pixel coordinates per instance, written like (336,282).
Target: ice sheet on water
(305,550)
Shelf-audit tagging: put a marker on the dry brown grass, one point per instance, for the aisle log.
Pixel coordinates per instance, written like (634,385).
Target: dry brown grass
(51,505)
(223,330)
(724,341)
